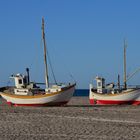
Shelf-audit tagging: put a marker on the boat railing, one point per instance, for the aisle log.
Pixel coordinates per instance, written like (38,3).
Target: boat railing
(59,84)
(133,86)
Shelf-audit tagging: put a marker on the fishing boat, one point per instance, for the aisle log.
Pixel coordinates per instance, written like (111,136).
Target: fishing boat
(26,93)
(109,94)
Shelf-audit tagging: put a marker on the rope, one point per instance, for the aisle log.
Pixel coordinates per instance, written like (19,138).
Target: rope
(49,61)
(51,67)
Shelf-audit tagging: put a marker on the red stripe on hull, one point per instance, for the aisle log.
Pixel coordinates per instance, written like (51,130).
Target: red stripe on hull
(92,101)
(9,103)
(111,102)
(136,103)
(39,105)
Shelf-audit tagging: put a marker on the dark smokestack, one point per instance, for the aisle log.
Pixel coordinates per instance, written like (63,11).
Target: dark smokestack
(118,81)
(28,76)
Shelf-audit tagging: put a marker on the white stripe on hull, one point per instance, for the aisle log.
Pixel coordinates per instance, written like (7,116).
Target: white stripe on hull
(60,97)
(128,96)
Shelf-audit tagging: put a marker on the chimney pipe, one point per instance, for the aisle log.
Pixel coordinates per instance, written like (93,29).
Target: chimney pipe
(28,76)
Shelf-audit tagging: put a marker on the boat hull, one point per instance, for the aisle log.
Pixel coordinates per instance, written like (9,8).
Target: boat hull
(48,99)
(127,97)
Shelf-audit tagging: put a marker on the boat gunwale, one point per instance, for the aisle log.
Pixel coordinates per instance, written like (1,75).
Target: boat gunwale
(114,94)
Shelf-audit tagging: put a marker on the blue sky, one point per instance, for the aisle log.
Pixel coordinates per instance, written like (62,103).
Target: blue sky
(84,38)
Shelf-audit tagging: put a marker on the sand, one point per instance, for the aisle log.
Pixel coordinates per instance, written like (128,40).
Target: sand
(76,121)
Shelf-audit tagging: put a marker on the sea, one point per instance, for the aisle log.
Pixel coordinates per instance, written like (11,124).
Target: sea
(81,92)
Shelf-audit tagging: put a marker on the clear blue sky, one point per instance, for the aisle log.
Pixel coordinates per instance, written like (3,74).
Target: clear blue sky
(84,37)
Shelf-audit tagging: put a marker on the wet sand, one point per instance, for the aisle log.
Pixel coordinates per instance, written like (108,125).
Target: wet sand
(76,121)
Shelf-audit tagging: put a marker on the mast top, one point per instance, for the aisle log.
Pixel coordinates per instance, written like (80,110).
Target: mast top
(43,28)
(125,79)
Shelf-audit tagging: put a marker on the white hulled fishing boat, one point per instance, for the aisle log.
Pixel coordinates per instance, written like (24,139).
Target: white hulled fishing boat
(26,93)
(110,94)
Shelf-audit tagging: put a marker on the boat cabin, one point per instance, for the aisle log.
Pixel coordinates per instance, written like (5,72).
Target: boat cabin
(20,84)
(100,85)
(20,80)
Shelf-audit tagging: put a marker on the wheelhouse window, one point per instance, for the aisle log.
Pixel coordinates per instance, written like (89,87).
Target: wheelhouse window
(20,81)
(99,84)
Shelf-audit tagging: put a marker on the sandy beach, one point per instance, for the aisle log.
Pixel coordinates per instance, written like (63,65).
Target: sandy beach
(76,121)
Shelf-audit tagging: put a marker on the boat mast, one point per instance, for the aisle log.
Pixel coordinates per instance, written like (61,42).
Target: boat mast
(125,46)
(45,56)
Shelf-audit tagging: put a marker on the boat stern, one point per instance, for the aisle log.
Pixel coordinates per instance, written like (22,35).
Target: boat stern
(91,97)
